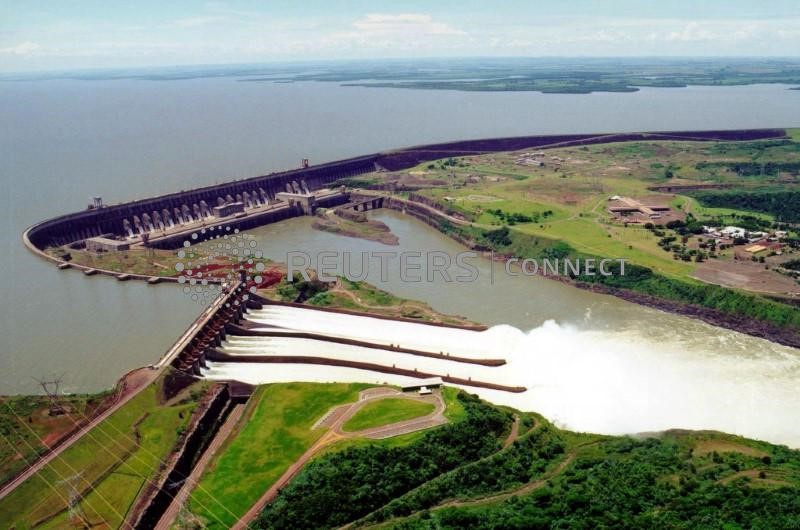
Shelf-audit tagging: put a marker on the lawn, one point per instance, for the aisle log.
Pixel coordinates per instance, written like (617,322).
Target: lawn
(273,433)
(385,412)
(632,243)
(574,183)
(108,463)
(454,411)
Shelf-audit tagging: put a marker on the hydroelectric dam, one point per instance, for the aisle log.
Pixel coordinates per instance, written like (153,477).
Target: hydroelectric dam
(240,326)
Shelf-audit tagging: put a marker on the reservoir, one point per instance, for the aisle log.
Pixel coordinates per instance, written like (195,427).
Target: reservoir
(127,139)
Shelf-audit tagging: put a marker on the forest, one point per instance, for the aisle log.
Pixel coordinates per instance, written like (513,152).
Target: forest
(784,205)
(460,476)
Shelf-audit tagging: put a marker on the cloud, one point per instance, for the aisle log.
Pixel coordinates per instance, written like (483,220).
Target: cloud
(23,48)
(389,34)
(692,32)
(409,23)
(193,22)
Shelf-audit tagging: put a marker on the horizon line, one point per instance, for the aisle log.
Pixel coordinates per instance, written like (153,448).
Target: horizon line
(309,61)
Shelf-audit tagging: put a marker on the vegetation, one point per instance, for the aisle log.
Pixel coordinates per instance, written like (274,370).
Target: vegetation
(553,205)
(752,169)
(793,264)
(357,296)
(646,281)
(29,428)
(386,411)
(783,205)
(345,485)
(525,460)
(300,290)
(273,433)
(457,476)
(354,224)
(562,75)
(108,467)
(655,483)
(578,76)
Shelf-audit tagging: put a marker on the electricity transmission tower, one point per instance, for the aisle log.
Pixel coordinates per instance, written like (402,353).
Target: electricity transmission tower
(51,390)
(76,511)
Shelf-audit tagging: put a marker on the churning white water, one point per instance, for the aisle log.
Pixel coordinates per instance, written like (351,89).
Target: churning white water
(612,382)
(601,381)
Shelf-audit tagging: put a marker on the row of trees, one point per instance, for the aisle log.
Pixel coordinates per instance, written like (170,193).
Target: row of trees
(514,218)
(784,205)
(640,279)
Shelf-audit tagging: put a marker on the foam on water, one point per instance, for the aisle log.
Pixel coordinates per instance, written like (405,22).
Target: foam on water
(603,381)
(612,382)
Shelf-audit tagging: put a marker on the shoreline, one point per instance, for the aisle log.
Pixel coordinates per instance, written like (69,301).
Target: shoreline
(729,321)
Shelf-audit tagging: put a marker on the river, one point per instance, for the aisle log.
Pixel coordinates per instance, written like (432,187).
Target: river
(64,141)
(590,362)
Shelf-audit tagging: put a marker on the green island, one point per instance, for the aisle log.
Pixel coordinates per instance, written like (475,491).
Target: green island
(551,76)
(557,75)
(353,224)
(387,411)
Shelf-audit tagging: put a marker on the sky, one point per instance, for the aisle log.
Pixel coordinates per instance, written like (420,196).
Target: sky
(79,34)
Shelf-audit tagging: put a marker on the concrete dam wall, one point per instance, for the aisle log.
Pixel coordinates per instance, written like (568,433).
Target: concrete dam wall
(147,215)
(259,195)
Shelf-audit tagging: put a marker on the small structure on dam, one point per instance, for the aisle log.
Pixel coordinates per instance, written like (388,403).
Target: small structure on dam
(106,243)
(227,210)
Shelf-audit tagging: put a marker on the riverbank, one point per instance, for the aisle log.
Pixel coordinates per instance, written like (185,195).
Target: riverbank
(458,230)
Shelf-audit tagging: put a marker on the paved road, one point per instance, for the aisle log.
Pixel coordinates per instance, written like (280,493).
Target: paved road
(334,419)
(132,384)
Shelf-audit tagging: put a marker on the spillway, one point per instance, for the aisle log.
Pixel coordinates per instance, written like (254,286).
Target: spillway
(589,380)
(452,340)
(277,346)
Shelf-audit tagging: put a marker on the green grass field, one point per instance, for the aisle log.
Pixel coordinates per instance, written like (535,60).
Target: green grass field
(26,422)
(112,463)
(454,411)
(386,411)
(275,431)
(574,184)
